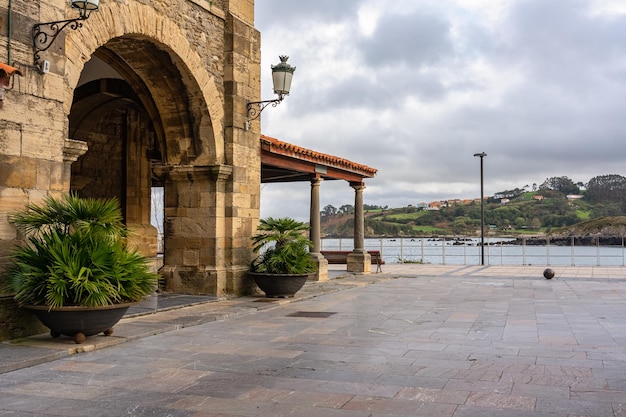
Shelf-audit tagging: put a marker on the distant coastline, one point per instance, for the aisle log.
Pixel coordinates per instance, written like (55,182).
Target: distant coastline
(569,241)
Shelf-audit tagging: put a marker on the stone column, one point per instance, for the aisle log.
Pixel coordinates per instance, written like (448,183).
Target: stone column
(194,261)
(314,221)
(242,84)
(359,260)
(138,193)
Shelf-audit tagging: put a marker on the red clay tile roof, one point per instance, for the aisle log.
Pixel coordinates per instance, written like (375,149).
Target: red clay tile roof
(8,70)
(287,149)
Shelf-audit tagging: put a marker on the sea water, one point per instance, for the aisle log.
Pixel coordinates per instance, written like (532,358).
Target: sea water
(466,251)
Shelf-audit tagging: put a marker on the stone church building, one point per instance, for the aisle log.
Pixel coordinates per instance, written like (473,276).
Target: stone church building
(140,93)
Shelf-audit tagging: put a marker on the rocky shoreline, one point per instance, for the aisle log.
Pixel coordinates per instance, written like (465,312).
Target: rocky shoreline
(567,241)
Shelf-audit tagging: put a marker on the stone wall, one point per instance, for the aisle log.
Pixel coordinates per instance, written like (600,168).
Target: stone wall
(194,65)
(17,322)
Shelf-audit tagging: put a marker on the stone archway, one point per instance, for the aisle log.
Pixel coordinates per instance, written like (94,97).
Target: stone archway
(133,104)
(206,161)
(139,120)
(155,50)
(183,128)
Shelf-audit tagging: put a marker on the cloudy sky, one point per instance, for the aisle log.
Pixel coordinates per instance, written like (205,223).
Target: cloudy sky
(415,87)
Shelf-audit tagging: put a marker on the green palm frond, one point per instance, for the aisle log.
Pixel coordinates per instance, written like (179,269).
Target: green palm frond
(283,247)
(76,255)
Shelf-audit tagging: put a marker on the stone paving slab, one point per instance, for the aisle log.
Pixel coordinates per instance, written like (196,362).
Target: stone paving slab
(29,351)
(453,341)
(13,357)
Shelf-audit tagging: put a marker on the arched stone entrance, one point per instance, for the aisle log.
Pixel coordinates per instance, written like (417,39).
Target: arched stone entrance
(145,117)
(133,109)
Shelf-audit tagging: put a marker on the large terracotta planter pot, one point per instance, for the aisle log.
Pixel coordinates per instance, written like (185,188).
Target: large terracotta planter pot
(80,322)
(279,285)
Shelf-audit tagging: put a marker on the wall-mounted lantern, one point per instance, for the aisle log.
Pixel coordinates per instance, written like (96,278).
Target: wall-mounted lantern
(44,34)
(6,73)
(282,74)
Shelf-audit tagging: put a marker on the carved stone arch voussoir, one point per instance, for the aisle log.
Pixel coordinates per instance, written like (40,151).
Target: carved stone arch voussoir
(118,21)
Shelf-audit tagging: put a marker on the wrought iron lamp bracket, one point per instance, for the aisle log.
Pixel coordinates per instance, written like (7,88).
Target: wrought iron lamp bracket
(256,107)
(44,34)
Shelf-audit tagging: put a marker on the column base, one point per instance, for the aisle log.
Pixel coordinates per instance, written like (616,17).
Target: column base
(322,268)
(189,280)
(359,262)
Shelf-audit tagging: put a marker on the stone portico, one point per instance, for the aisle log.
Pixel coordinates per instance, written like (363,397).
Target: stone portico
(144,94)
(284,162)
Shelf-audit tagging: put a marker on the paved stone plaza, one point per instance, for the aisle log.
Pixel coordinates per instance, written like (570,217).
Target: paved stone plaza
(416,341)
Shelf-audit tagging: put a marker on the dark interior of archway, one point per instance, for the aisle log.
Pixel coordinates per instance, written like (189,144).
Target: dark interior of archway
(107,113)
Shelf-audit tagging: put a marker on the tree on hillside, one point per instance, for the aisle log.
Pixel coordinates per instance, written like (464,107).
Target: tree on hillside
(514,193)
(329,210)
(610,187)
(561,184)
(607,209)
(346,209)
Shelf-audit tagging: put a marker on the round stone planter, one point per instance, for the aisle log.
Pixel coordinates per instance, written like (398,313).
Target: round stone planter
(279,285)
(80,322)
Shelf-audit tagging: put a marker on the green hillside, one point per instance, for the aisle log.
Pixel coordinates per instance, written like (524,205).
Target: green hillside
(548,208)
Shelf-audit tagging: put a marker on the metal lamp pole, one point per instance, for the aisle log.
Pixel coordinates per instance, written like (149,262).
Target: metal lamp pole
(482,210)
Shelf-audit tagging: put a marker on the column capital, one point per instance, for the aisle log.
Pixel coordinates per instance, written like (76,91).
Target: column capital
(193,172)
(73,149)
(358,186)
(316,180)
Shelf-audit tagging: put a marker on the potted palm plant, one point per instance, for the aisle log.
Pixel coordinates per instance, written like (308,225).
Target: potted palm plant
(75,271)
(284,263)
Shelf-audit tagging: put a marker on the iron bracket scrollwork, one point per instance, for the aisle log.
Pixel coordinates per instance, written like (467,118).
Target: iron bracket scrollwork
(256,107)
(44,34)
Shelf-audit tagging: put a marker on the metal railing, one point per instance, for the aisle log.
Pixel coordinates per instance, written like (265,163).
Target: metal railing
(498,251)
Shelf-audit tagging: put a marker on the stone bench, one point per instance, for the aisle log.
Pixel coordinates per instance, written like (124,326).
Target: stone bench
(341,257)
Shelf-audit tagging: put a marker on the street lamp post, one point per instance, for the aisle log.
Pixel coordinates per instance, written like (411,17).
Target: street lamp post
(482,210)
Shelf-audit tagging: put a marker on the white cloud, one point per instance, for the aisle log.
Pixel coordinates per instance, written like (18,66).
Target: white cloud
(414,89)
(608,8)
(368,16)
